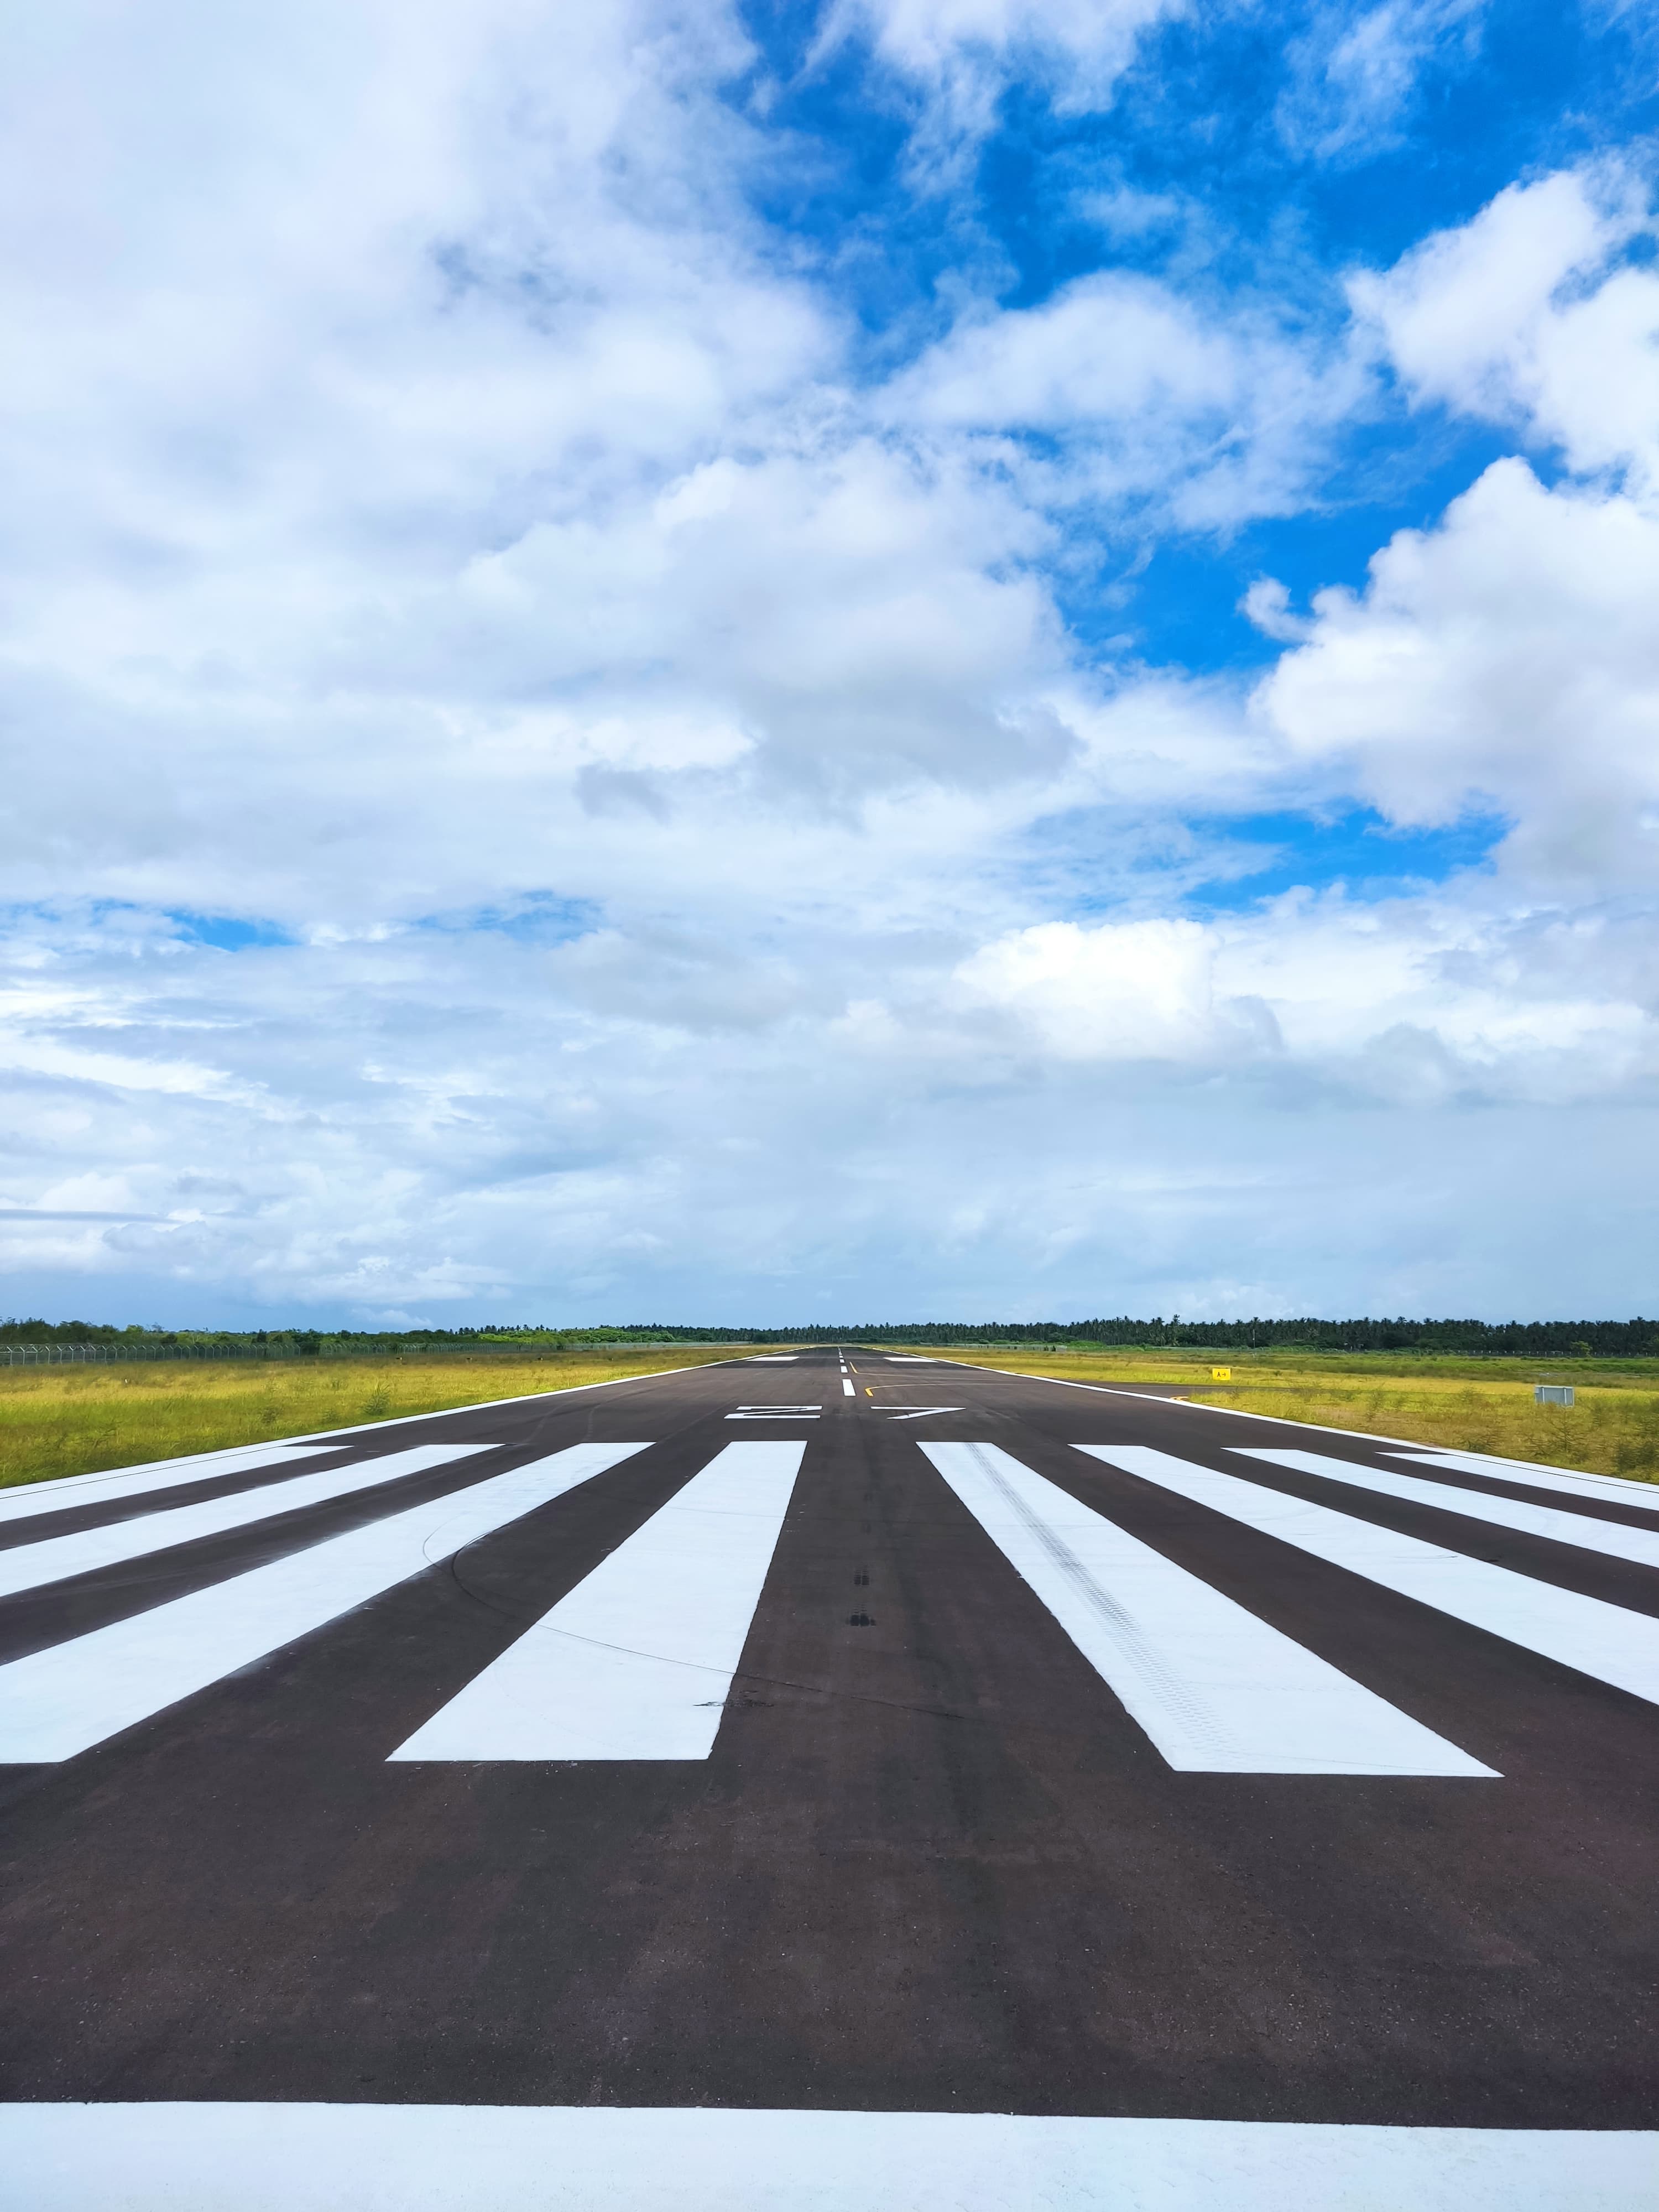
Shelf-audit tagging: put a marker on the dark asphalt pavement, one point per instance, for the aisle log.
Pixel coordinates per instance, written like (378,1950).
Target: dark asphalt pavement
(932,1862)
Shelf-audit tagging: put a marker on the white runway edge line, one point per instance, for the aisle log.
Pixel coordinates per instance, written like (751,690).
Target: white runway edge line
(63,1493)
(1600,1488)
(1218,1691)
(61,1701)
(485,2158)
(636,1660)
(53,1559)
(1611,1538)
(1607,1642)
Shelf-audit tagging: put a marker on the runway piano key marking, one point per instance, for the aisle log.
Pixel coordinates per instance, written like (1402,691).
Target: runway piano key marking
(61,1701)
(636,1660)
(66,1492)
(1607,1642)
(1612,1538)
(53,1559)
(1219,1691)
(1600,1488)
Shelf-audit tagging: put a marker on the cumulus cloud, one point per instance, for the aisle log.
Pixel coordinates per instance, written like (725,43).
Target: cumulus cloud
(1533,314)
(690,858)
(1508,659)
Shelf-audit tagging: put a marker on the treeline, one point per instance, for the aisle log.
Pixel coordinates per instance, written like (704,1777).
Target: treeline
(1602,1340)
(1555,1340)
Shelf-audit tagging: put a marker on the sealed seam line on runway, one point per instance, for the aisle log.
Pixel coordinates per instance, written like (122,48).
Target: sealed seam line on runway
(55,1703)
(65,1493)
(1612,1538)
(1607,1642)
(1219,1691)
(636,1660)
(55,1558)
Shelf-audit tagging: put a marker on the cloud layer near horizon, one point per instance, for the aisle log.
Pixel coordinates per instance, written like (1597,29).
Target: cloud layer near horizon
(583,751)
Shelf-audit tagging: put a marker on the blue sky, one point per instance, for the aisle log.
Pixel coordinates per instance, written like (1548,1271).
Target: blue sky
(972,657)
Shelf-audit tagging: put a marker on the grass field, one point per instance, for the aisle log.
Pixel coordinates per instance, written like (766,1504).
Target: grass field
(70,1421)
(1469,1405)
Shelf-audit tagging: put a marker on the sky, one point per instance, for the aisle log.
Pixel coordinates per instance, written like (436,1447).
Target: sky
(957,659)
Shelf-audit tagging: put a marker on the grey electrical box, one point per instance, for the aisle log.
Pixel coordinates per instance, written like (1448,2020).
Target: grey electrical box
(1554,1393)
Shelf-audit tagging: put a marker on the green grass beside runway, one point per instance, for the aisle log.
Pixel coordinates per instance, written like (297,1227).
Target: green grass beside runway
(71,1420)
(1466,1405)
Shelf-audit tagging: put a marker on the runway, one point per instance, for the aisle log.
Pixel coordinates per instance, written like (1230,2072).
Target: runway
(759,1784)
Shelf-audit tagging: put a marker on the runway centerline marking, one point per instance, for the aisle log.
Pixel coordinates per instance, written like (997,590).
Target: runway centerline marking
(636,1662)
(1217,1690)
(1608,1643)
(1612,1538)
(54,1559)
(61,1701)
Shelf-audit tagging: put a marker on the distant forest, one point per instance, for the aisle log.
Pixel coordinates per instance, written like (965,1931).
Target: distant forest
(1604,1340)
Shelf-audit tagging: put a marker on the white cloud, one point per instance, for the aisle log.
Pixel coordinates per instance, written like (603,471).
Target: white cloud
(1507,659)
(1527,315)
(448,524)
(960,55)
(1355,72)
(1216,416)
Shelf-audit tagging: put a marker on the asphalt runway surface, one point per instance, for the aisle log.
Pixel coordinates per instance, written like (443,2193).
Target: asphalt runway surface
(831,1781)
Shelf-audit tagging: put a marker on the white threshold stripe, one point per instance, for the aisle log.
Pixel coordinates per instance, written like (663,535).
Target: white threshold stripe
(1219,1691)
(1608,1643)
(61,1701)
(636,1660)
(53,1559)
(1612,1538)
(62,1493)
(1604,1489)
(598,2158)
